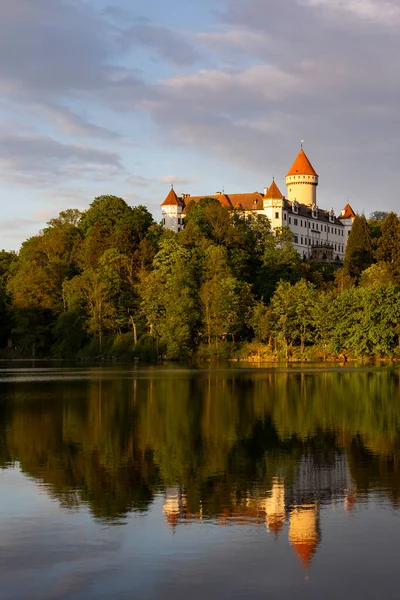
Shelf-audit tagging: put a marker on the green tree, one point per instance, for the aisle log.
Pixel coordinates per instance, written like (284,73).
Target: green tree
(358,255)
(225,300)
(388,245)
(323,316)
(280,262)
(168,298)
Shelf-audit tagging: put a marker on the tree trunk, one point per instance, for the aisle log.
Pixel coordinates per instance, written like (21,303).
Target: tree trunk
(134,331)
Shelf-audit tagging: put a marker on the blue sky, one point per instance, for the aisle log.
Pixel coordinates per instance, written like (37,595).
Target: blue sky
(129,96)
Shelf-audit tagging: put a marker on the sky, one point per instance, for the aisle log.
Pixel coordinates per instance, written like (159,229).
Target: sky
(125,97)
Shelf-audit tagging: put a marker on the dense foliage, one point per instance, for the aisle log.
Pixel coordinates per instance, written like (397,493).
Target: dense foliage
(111,282)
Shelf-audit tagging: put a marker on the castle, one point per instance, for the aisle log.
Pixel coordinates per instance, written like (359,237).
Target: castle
(317,233)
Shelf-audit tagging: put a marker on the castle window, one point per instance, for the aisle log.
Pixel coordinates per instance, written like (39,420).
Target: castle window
(301,223)
(284,217)
(296,239)
(309,242)
(325,228)
(301,239)
(290,221)
(276,215)
(179,220)
(335,246)
(295,222)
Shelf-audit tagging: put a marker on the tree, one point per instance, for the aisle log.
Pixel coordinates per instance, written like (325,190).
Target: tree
(367,321)
(225,300)
(168,298)
(358,255)
(7,259)
(280,262)
(379,272)
(323,316)
(388,245)
(291,308)
(261,321)
(93,294)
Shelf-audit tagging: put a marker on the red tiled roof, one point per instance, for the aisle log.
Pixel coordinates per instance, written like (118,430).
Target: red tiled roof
(172,199)
(347,213)
(252,201)
(302,166)
(273,192)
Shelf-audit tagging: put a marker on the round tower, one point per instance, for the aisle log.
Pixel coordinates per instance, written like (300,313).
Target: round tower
(302,181)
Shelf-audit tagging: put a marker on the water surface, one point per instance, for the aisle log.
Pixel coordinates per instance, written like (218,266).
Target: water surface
(164,483)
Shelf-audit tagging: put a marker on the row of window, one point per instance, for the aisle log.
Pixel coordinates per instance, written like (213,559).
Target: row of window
(332,230)
(303,241)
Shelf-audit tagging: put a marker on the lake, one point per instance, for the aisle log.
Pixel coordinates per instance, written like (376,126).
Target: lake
(222,482)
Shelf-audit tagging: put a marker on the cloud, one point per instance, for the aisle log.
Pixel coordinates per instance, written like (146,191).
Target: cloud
(170,45)
(73,124)
(175,180)
(379,12)
(40,160)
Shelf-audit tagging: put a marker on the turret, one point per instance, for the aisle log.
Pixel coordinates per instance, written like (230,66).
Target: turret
(171,210)
(302,181)
(347,216)
(274,203)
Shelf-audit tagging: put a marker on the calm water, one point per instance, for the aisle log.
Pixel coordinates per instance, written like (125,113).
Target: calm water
(178,483)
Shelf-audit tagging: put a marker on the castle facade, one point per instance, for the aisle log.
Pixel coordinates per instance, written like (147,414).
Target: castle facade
(318,233)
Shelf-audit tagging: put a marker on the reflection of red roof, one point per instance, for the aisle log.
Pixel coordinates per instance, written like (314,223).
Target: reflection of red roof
(172,199)
(347,213)
(273,192)
(302,166)
(305,552)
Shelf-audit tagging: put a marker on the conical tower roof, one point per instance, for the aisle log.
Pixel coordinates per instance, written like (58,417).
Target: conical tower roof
(347,212)
(172,199)
(273,192)
(302,166)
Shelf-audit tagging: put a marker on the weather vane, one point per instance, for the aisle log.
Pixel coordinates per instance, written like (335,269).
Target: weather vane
(301,144)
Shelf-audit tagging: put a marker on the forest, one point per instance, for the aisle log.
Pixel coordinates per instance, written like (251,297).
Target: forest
(111,283)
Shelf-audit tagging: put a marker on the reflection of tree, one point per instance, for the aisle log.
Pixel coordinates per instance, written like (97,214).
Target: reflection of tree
(223,438)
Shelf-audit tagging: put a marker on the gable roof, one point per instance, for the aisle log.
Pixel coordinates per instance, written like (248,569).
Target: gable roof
(273,192)
(302,166)
(172,199)
(347,212)
(251,201)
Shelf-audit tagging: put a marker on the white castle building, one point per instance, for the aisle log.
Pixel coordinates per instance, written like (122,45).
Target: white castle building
(318,233)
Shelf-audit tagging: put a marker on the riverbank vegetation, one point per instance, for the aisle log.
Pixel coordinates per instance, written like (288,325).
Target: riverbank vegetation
(112,283)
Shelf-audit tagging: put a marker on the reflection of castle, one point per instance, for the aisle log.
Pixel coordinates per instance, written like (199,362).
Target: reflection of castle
(297,502)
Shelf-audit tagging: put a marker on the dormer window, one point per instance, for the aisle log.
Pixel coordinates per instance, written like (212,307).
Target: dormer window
(331,215)
(295,207)
(314,212)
